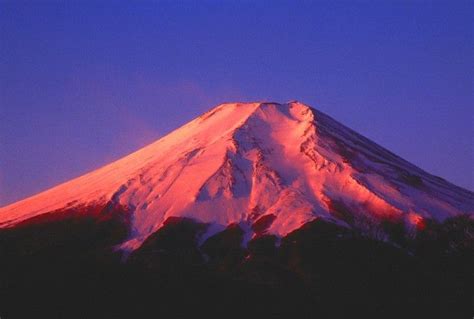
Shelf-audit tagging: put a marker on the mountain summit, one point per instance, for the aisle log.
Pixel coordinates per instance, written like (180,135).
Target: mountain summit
(274,210)
(271,168)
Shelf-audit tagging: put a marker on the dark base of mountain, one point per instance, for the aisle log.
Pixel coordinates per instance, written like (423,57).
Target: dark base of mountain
(63,265)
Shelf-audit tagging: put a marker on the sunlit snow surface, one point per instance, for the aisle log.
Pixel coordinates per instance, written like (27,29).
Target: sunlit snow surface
(241,161)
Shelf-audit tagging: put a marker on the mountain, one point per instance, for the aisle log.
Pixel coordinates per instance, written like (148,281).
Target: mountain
(251,209)
(282,165)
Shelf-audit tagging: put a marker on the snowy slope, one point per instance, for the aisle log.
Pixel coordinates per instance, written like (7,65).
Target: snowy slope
(241,161)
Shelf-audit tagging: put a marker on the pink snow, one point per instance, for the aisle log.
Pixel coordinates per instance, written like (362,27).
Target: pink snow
(241,161)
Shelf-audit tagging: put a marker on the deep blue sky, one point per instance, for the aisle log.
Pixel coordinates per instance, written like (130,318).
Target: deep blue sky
(86,83)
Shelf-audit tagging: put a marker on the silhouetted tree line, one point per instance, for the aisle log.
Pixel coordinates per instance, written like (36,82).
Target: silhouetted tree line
(65,266)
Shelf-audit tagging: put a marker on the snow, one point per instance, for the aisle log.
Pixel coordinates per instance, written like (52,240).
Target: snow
(241,161)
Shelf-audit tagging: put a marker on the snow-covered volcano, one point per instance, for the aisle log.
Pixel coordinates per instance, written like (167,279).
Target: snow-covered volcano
(285,164)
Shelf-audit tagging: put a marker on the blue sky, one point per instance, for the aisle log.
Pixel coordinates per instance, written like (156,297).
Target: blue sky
(84,83)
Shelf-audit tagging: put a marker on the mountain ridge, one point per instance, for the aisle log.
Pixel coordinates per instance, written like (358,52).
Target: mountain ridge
(240,162)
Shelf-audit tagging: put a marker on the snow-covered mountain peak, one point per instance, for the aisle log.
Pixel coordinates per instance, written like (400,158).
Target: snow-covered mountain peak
(280,165)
